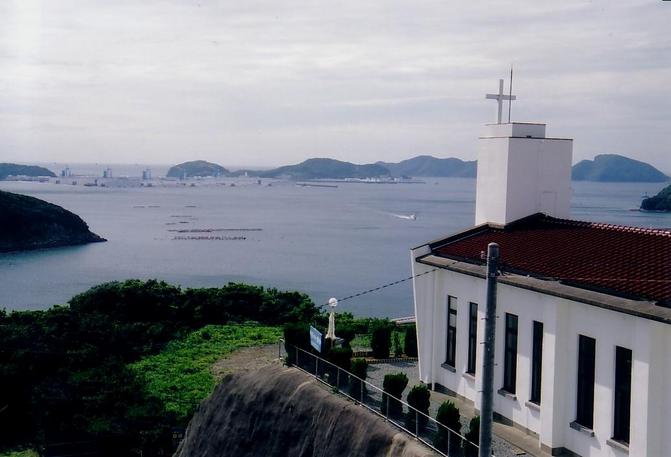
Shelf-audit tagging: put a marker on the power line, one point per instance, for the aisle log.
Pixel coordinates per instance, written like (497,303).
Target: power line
(384,286)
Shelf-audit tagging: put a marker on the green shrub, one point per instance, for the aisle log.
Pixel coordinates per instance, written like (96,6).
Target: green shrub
(295,334)
(381,341)
(419,398)
(347,333)
(398,350)
(473,436)
(448,415)
(359,369)
(393,385)
(410,346)
(342,358)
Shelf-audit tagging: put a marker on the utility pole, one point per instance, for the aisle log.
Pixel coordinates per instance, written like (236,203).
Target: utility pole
(487,403)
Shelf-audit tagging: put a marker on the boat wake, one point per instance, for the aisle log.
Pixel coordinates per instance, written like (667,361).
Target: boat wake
(410,217)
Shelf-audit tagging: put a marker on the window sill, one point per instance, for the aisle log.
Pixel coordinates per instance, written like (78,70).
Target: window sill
(533,405)
(469,376)
(448,367)
(506,394)
(581,428)
(619,445)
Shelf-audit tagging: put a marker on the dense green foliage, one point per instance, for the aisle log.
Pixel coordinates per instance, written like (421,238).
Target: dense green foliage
(393,386)
(13,169)
(448,415)
(180,376)
(473,436)
(381,341)
(616,168)
(359,368)
(410,343)
(419,398)
(30,223)
(71,373)
(659,202)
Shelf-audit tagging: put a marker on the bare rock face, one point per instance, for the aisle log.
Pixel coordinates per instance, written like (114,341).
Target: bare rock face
(277,411)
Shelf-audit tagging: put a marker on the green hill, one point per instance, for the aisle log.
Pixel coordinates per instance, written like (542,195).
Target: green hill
(13,169)
(197,168)
(616,168)
(29,223)
(432,166)
(326,169)
(660,202)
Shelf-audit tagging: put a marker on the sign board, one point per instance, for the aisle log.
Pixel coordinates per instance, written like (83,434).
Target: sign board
(315,339)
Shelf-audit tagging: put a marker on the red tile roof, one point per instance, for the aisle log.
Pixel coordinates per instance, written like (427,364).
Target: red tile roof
(625,261)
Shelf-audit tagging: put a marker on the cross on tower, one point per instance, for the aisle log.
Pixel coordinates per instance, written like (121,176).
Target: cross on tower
(500,97)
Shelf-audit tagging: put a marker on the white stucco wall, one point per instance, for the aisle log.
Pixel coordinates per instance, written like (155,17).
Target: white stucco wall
(520,176)
(563,320)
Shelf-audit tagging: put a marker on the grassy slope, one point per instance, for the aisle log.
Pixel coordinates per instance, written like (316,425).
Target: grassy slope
(180,376)
(23,453)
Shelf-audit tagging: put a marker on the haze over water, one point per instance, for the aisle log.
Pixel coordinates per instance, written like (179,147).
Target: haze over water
(323,241)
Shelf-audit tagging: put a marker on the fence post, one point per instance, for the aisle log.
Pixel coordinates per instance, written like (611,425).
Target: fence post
(338,379)
(297,364)
(386,412)
(361,382)
(416,424)
(279,349)
(316,367)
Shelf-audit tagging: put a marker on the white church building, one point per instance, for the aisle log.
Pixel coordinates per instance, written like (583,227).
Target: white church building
(583,332)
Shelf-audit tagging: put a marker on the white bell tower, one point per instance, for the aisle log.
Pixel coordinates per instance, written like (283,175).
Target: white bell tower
(521,172)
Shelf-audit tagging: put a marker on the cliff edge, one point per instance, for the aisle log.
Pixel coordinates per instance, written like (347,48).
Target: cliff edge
(30,223)
(278,411)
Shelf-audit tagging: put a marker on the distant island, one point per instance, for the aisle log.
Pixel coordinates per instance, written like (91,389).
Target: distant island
(13,169)
(30,223)
(199,168)
(326,169)
(604,168)
(429,166)
(616,168)
(660,202)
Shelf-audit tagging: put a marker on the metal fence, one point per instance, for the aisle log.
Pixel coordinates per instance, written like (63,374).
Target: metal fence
(394,410)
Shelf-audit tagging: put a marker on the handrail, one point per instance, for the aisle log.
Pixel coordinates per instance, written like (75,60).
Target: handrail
(415,435)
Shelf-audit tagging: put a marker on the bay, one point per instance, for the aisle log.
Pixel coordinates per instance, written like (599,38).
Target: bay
(327,242)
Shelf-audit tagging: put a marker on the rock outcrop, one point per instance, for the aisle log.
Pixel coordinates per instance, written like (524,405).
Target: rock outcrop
(277,411)
(30,223)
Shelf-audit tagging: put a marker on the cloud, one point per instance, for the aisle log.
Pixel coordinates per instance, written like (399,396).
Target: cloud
(264,83)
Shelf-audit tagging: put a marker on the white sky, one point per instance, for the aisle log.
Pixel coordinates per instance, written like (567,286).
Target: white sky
(245,82)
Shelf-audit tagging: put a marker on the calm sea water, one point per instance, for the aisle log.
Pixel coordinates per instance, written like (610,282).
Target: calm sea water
(323,241)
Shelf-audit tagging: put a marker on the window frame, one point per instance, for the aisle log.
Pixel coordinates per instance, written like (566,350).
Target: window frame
(586,380)
(472,338)
(536,362)
(622,394)
(451,333)
(510,353)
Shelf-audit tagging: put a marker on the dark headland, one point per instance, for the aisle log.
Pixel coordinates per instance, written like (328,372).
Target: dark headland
(659,202)
(616,168)
(29,223)
(13,169)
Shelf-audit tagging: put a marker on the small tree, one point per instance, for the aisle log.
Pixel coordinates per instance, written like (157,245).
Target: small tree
(398,349)
(360,370)
(419,398)
(473,436)
(381,341)
(448,416)
(410,343)
(393,385)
